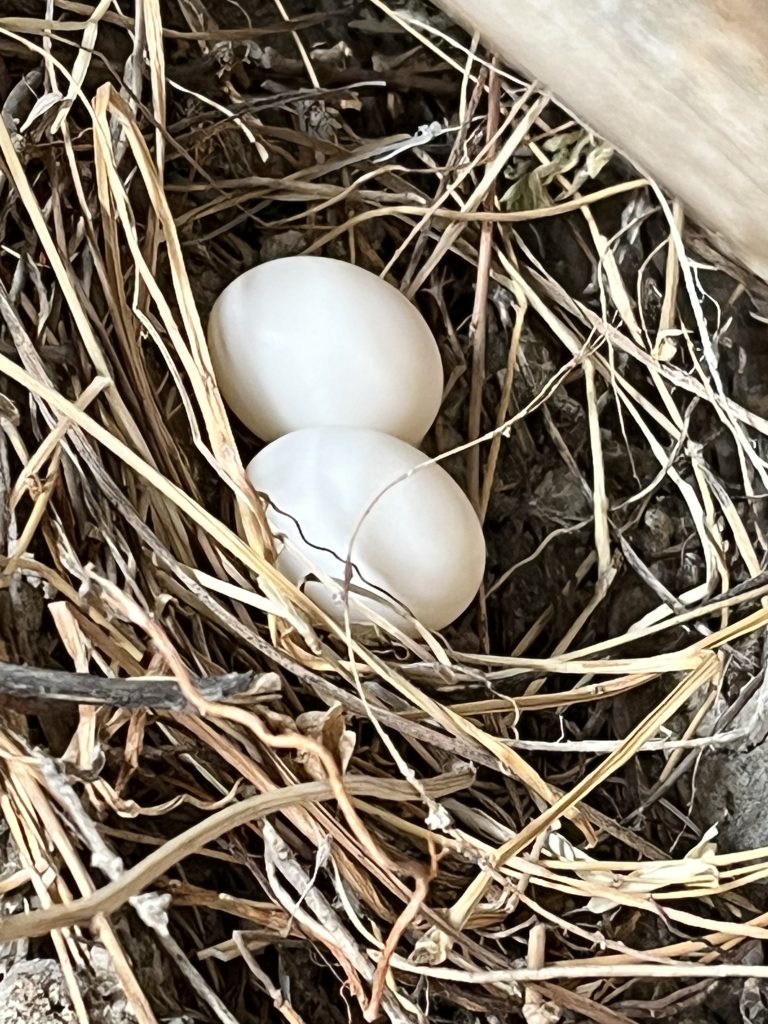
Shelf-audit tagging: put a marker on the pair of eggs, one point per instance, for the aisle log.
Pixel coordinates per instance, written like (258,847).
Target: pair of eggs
(342,374)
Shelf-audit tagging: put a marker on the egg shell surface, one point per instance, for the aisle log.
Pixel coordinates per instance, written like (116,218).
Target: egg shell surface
(308,341)
(414,543)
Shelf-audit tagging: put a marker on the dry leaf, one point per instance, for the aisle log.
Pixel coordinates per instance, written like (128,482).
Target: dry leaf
(328,728)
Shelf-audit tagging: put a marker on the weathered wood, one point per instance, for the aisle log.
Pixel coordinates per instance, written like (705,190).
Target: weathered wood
(679,86)
(26,686)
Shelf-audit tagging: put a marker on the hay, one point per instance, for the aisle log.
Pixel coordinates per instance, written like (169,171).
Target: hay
(247,813)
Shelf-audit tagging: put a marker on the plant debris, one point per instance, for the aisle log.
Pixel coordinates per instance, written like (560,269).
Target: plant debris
(216,809)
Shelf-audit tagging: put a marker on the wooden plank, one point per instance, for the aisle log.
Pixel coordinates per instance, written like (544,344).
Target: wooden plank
(679,86)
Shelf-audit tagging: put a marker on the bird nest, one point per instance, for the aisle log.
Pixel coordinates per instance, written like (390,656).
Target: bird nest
(215,807)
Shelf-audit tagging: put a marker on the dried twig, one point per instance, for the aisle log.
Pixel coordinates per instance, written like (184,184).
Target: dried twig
(26,685)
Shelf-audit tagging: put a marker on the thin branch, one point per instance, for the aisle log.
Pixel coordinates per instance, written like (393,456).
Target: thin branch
(23,684)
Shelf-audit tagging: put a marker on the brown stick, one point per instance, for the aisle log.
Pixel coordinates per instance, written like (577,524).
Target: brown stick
(678,87)
(24,684)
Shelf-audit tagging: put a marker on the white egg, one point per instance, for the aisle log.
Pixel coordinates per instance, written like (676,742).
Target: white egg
(308,341)
(414,543)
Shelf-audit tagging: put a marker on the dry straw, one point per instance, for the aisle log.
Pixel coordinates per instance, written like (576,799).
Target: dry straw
(450,816)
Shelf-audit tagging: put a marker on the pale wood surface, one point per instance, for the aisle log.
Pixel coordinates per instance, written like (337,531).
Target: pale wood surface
(679,86)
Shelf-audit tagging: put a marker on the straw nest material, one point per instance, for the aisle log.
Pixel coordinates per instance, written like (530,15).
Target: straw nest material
(217,811)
